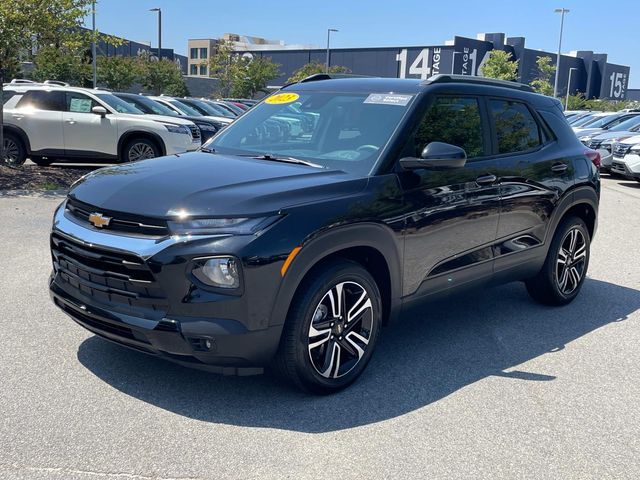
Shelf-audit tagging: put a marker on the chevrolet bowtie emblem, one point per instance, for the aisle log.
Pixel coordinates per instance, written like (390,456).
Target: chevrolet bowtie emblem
(99,220)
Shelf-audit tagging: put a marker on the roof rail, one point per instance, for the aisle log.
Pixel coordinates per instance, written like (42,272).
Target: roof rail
(447,78)
(18,81)
(331,76)
(57,83)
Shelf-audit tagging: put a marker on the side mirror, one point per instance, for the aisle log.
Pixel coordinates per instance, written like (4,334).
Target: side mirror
(98,110)
(437,156)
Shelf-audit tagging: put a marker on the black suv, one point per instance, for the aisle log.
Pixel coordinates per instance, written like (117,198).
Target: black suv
(320,215)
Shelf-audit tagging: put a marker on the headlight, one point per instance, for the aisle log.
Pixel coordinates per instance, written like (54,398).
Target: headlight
(207,128)
(220,272)
(635,148)
(207,226)
(177,128)
(585,138)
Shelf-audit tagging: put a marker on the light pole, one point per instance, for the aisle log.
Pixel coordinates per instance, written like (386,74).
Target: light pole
(566,101)
(329,30)
(159,10)
(93,47)
(561,11)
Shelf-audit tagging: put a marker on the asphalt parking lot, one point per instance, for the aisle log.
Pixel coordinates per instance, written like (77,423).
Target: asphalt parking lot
(488,385)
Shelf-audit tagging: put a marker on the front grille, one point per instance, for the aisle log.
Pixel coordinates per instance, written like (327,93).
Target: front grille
(106,276)
(195,132)
(618,167)
(119,222)
(621,150)
(594,144)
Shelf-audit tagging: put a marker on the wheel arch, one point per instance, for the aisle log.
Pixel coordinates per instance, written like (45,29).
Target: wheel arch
(583,203)
(371,245)
(152,136)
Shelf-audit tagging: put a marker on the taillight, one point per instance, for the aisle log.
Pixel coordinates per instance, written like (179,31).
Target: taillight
(594,156)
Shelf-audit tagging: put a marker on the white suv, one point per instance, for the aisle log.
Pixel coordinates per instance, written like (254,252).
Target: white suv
(49,121)
(626,158)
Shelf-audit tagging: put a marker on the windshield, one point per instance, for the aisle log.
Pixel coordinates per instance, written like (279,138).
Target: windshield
(625,123)
(581,121)
(601,122)
(118,104)
(184,108)
(150,106)
(345,131)
(206,108)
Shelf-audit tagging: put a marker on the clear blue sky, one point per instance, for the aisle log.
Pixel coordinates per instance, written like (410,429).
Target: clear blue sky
(608,27)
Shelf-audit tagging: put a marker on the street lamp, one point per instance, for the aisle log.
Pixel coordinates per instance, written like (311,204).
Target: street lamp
(159,30)
(93,47)
(561,11)
(329,30)
(566,102)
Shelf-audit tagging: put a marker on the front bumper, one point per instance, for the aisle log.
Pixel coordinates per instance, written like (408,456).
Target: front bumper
(628,167)
(178,143)
(228,334)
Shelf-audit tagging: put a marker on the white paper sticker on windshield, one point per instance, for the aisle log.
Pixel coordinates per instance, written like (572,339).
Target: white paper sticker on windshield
(388,99)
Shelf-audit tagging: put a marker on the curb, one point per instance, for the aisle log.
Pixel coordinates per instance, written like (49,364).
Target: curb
(34,193)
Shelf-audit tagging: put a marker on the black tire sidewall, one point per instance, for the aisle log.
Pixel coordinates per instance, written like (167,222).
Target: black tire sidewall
(307,374)
(131,143)
(22,152)
(550,267)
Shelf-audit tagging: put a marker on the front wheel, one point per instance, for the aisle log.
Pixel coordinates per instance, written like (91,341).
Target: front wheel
(139,149)
(332,328)
(565,268)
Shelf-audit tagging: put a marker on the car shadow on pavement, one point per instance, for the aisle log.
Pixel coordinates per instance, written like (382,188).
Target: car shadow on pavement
(420,359)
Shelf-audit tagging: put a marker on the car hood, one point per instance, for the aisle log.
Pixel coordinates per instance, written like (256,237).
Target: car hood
(204,184)
(581,132)
(155,118)
(632,140)
(613,135)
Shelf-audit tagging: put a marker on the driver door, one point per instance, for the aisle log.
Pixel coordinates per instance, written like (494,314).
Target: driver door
(452,215)
(87,133)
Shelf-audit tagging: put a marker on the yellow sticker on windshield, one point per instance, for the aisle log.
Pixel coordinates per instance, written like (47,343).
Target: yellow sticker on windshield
(280,98)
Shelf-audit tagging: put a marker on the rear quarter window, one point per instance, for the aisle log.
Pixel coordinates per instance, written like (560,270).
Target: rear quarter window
(42,100)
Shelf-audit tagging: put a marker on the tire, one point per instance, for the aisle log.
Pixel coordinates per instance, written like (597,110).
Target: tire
(139,149)
(558,283)
(332,354)
(41,161)
(15,153)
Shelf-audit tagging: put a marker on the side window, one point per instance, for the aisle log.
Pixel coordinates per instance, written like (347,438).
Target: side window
(42,100)
(453,120)
(79,103)
(7,95)
(516,129)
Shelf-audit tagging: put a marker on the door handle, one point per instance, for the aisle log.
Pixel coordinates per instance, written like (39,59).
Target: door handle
(559,167)
(17,117)
(71,121)
(486,179)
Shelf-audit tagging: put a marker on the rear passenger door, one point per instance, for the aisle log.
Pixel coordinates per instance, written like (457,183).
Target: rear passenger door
(452,214)
(39,114)
(532,179)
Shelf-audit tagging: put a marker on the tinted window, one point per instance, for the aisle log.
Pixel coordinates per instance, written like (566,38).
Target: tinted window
(7,95)
(453,120)
(193,53)
(203,69)
(203,53)
(42,100)
(118,104)
(516,129)
(79,103)
(193,69)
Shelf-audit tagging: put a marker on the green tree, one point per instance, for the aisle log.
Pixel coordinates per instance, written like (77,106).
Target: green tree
(162,76)
(314,68)
(118,73)
(252,76)
(25,23)
(499,65)
(240,76)
(53,63)
(546,71)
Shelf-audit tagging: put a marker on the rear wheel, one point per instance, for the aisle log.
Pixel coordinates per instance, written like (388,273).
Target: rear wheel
(565,268)
(14,152)
(139,149)
(332,329)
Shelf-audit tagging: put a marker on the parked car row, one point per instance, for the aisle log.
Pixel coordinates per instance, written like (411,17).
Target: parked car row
(51,120)
(614,135)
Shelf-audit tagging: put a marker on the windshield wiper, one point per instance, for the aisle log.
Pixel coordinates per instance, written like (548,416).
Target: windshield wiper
(274,158)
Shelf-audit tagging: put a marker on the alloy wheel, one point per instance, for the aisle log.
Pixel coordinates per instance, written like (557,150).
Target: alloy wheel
(11,151)
(140,151)
(340,329)
(571,261)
